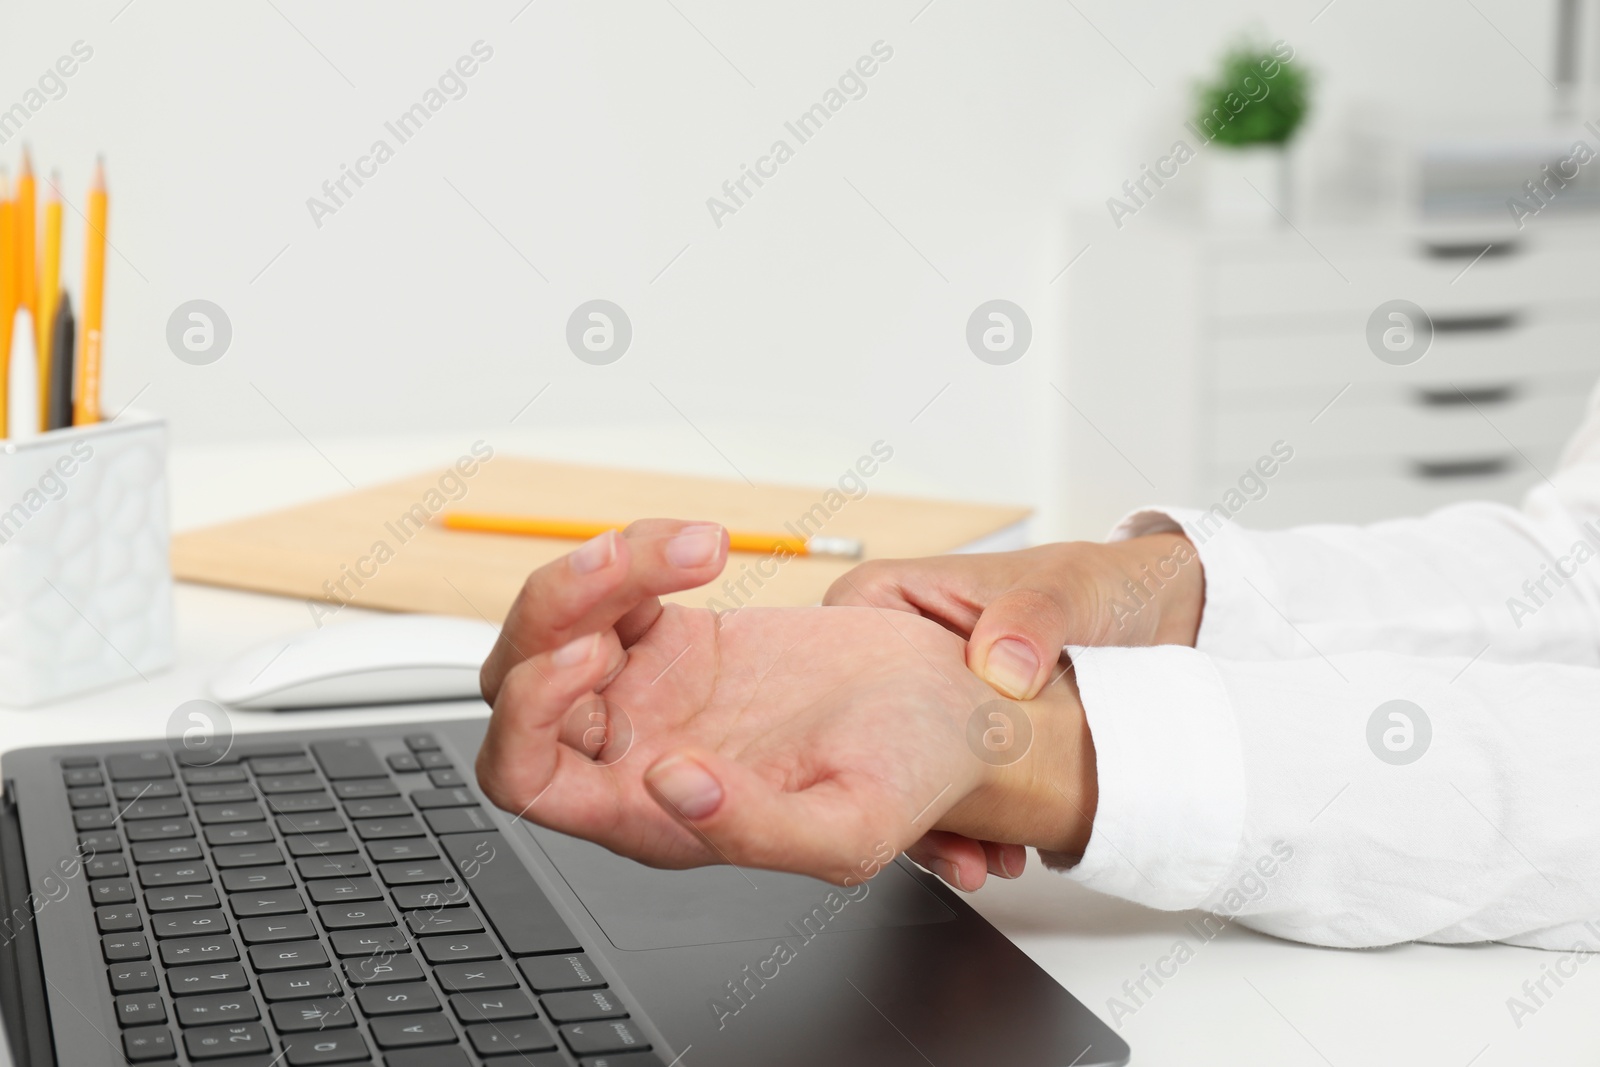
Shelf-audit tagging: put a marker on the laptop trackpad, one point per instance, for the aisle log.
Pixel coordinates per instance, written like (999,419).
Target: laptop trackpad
(640,907)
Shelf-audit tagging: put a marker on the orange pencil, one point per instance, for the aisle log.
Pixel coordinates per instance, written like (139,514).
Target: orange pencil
(530,526)
(8,289)
(49,286)
(86,409)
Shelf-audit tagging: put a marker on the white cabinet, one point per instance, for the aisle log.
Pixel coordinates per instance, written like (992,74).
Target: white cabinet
(1189,355)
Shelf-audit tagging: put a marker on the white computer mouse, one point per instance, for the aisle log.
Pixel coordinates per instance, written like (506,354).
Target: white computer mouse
(397,659)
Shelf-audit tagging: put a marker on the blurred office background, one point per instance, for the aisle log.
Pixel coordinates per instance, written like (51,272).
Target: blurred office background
(1168,355)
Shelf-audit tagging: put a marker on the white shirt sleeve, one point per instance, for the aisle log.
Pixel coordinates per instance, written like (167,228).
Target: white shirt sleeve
(1287,797)
(1479,579)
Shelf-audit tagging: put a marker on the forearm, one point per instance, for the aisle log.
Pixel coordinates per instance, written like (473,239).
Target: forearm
(1263,792)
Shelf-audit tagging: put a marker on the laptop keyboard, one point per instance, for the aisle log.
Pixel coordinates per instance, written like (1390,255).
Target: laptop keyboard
(318,904)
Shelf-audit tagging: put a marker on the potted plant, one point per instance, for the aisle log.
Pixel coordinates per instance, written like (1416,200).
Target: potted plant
(1247,115)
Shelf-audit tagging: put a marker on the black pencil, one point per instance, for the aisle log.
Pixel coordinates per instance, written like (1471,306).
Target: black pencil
(63,332)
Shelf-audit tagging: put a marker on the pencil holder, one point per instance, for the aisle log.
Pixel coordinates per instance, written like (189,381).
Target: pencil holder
(85,584)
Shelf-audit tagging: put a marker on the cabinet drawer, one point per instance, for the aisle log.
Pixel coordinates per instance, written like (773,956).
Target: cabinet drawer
(1524,348)
(1292,501)
(1405,431)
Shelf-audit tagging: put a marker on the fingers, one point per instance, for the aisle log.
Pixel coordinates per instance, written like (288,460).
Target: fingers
(521,750)
(609,581)
(1018,639)
(965,863)
(824,831)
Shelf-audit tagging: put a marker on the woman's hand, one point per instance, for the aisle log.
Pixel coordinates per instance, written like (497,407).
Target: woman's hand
(813,740)
(1017,610)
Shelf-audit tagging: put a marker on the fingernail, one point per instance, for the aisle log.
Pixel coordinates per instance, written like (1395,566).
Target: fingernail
(946,870)
(687,786)
(575,651)
(595,553)
(1011,667)
(694,546)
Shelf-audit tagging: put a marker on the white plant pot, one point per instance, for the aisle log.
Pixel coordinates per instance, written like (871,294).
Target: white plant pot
(1247,187)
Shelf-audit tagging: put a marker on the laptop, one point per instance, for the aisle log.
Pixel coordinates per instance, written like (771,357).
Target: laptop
(347,896)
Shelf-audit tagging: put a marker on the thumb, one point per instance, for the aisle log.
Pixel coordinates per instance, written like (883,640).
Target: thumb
(1017,641)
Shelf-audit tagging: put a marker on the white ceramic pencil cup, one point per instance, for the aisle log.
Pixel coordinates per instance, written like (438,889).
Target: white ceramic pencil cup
(85,583)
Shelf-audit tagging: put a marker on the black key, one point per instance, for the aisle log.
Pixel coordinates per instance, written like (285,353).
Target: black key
(145,790)
(491,1007)
(612,1035)
(94,820)
(617,1059)
(449,949)
(331,867)
(168,808)
(446,779)
(80,761)
(166,851)
(380,970)
(349,758)
(207,978)
(102,841)
(365,787)
(112,891)
(215,948)
(521,1035)
(88,797)
(443,798)
(189,924)
(554,974)
(273,928)
(404,763)
(377,808)
(397,998)
(112,866)
(234,793)
(432,1057)
(334,890)
(321,844)
(217,1008)
(422,743)
(445,921)
(244,833)
(508,896)
(405,1031)
(139,765)
(353,916)
(289,803)
(295,1016)
(292,783)
(309,1050)
(247,878)
(212,775)
(247,856)
(180,898)
(430,895)
(583,1005)
(413,873)
(401,848)
(140,1009)
(433,761)
(474,977)
(215,814)
(310,822)
(276,765)
(289,954)
(276,902)
(374,829)
(118,918)
(163,874)
(158,829)
(369,942)
(117,948)
(236,1039)
(295,985)
(263,749)
(132,978)
(82,776)
(148,1043)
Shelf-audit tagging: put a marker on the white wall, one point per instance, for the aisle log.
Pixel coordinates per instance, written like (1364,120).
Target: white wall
(592,139)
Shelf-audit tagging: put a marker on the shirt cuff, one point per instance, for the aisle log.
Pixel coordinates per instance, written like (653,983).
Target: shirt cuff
(1234,616)
(1170,813)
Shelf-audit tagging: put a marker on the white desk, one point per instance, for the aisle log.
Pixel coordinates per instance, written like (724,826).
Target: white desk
(1242,998)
